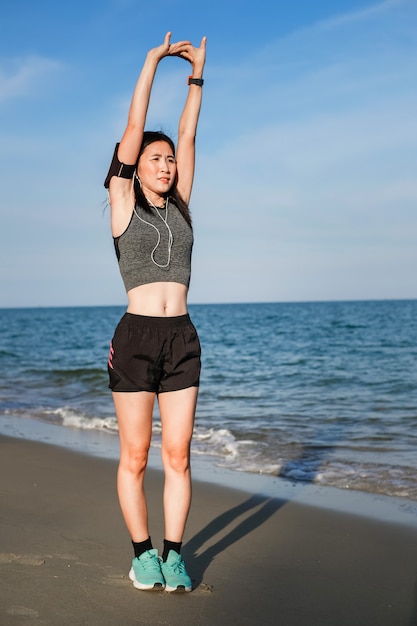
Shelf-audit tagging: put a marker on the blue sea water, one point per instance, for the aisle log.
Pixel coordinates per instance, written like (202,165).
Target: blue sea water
(324,393)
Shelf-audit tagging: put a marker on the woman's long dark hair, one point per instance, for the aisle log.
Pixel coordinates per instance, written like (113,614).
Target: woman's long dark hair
(148,138)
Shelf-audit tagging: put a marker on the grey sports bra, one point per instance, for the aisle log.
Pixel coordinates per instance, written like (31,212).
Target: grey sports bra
(155,247)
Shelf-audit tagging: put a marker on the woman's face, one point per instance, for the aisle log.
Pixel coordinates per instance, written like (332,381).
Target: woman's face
(157,168)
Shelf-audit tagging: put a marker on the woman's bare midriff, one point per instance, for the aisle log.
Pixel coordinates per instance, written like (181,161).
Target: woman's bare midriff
(158,300)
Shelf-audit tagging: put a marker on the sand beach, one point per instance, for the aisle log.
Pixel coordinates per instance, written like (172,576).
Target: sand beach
(254,560)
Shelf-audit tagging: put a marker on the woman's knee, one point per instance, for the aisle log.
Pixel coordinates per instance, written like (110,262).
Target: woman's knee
(177,459)
(134,461)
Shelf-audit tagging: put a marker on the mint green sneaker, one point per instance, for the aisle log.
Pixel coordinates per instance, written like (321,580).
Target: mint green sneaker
(145,572)
(175,574)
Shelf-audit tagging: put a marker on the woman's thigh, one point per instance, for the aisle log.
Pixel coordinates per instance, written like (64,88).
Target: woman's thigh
(177,409)
(134,416)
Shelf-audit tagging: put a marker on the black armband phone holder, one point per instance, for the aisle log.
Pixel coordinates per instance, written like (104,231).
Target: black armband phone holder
(121,170)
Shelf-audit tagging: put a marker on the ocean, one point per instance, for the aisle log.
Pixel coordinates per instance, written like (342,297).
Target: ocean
(322,393)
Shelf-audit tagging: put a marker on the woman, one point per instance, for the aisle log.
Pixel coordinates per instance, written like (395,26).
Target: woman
(155,351)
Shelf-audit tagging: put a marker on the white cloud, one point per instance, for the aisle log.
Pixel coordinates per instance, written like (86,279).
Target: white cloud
(359,16)
(20,77)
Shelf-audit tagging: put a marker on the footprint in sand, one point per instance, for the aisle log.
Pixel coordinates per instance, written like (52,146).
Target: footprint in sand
(23,611)
(23,559)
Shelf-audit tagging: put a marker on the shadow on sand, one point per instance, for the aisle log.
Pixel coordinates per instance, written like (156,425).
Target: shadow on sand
(261,508)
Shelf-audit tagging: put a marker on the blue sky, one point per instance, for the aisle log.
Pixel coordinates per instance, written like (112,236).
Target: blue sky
(306,185)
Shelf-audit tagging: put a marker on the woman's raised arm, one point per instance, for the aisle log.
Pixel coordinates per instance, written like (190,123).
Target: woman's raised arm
(120,189)
(132,137)
(189,119)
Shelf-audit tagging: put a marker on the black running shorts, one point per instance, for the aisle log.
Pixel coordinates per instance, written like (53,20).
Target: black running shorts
(154,354)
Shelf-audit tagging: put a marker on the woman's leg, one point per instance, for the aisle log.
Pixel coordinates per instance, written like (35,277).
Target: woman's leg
(177,409)
(134,415)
